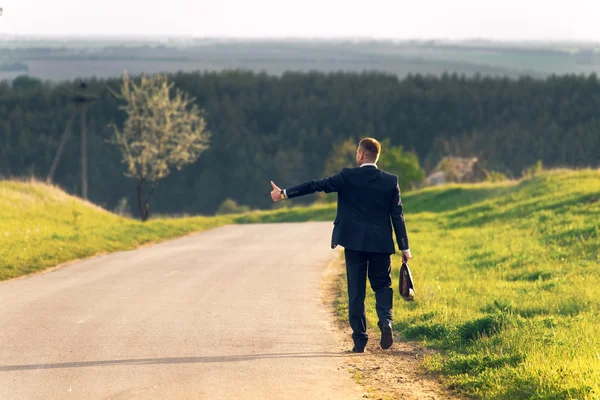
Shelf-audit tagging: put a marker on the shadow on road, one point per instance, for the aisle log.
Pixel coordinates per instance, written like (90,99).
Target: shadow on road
(170,360)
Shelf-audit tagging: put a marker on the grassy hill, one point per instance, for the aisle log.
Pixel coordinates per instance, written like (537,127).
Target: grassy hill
(508,286)
(507,274)
(42,226)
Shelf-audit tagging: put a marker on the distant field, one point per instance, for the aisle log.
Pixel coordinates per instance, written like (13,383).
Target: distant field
(70,59)
(71,69)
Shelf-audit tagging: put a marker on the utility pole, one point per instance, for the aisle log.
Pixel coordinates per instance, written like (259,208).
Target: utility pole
(79,100)
(84,182)
(61,145)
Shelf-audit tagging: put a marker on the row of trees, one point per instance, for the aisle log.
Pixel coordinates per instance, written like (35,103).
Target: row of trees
(288,128)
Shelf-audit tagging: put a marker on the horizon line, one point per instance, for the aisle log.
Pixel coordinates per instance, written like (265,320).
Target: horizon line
(147,37)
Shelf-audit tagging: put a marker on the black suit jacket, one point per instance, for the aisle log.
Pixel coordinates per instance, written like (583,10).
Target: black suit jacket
(368,199)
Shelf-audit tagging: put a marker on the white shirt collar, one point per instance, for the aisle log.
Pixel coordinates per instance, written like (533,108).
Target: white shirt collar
(369,165)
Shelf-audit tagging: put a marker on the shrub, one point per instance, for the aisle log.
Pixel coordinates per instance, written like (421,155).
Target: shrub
(534,170)
(229,206)
(495,176)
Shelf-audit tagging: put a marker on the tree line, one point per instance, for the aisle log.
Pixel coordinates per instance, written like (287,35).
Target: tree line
(285,128)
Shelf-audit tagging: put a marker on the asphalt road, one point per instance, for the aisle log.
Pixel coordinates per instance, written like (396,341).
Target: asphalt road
(231,313)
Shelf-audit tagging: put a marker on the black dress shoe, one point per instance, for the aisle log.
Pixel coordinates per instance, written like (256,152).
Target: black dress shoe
(356,349)
(387,338)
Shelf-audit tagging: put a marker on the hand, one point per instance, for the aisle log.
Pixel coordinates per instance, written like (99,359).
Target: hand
(406,255)
(275,193)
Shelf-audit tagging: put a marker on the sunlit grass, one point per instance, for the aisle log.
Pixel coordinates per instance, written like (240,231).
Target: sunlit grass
(507,274)
(41,226)
(508,286)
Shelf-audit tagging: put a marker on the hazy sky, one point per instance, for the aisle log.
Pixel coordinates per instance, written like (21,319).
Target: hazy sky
(456,19)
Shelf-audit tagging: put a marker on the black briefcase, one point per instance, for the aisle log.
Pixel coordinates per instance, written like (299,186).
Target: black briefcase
(405,284)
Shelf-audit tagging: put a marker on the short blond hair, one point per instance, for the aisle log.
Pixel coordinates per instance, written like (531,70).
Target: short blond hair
(371,148)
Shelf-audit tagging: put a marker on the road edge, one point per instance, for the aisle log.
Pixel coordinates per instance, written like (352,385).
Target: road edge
(383,374)
(102,253)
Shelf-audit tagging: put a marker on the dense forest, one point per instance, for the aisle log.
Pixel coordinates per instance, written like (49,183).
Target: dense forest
(283,128)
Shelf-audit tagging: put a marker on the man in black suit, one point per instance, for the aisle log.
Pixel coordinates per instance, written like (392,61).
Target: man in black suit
(367,200)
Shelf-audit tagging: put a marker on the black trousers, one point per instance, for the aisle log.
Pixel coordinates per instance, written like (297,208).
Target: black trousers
(378,266)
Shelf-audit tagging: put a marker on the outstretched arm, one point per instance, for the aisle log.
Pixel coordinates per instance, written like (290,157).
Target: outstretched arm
(399,224)
(332,184)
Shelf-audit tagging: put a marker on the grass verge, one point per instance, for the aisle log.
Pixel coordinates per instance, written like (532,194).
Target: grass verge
(507,274)
(507,280)
(41,226)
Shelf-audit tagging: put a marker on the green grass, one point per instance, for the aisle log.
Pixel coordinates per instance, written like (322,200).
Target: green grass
(41,226)
(508,286)
(507,274)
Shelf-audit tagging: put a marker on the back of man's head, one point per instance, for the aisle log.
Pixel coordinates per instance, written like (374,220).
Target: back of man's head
(371,148)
